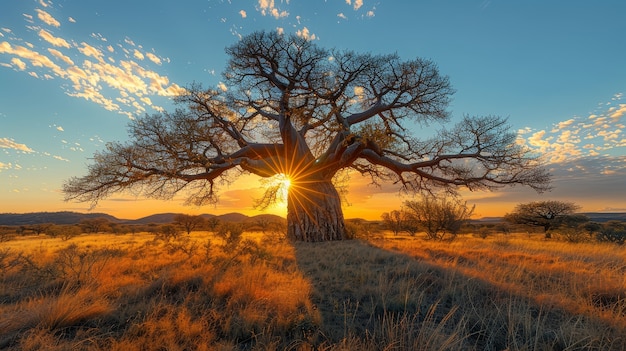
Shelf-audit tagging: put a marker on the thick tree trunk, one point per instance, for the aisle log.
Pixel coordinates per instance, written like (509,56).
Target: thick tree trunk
(314,212)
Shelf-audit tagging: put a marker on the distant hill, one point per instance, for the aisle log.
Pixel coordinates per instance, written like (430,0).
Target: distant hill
(161,218)
(64,217)
(158,218)
(233,217)
(606,216)
(67,217)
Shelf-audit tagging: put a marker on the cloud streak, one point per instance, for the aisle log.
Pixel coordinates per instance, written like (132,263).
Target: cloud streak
(89,69)
(599,133)
(7,143)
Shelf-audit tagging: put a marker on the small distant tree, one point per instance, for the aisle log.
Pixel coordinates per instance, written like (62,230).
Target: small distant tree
(95,225)
(189,222)
(65,232)
(546,214)
(439,216)
(39,228)
(212,223)
(167,232)
(394,221)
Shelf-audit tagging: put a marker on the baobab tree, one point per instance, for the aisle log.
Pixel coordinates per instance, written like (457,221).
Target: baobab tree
(291,108)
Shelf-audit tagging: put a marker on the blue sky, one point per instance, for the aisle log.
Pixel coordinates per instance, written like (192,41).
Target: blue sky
(73,72)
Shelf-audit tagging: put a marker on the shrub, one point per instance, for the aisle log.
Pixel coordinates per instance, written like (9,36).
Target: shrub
(166,232)
(65,232)
(573,234)
(6,234)
(611,235)
(231,234)
(439,216)
(76,265)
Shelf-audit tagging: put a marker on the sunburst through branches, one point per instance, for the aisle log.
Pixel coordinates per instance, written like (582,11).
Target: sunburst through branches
(276,191)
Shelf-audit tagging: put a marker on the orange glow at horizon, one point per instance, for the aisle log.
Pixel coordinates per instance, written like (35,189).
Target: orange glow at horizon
(362,201)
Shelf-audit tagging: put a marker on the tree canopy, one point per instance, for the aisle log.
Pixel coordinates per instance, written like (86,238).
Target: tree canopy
(547,214)
(290,107)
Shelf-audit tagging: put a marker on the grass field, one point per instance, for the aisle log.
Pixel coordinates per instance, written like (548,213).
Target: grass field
(133,292)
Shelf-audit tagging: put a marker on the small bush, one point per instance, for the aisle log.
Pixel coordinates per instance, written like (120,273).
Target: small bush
(76,265)
(65,232)
(231,233)
(573,235)
(611,235)
(166,232)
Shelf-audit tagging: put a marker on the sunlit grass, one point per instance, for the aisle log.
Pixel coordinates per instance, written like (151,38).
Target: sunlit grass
(132,292)
(586,279)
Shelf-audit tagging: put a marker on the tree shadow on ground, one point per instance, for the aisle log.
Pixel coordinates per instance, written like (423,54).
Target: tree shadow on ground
(380,299)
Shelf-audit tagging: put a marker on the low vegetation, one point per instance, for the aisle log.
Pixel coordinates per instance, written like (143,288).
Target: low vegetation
(241,290)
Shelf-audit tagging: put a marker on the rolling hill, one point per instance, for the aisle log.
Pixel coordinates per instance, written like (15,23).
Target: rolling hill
(66,217)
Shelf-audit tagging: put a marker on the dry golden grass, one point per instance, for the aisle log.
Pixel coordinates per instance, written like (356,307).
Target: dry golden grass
(131,292)
(583,279)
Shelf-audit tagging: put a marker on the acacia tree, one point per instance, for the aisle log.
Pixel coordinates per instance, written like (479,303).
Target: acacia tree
(290,107)
(546,214)
(189,222)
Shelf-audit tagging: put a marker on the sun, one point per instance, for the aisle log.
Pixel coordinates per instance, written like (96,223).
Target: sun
(282,182)
(286,181)
(275,193)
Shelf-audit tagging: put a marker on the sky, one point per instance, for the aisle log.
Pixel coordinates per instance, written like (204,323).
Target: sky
(73,73)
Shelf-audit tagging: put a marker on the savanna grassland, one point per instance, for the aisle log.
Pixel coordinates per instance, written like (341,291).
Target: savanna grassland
(260,292)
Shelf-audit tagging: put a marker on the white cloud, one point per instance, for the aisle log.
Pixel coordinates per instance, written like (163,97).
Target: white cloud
(154,58)
(21,65)
(601,131)
(60,56)
(60,129)
(267,8)
(243,14)
(619,112)
(280,30)
(60,158)
(341,15)
(304,33)
(358,4)
(221,86)
(35,58)
(138,55)
(7,143)
(90,51)
(47,18)
(71,19)
(60,42)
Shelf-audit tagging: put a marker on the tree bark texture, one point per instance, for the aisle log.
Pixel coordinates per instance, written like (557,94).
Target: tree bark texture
(314,212)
